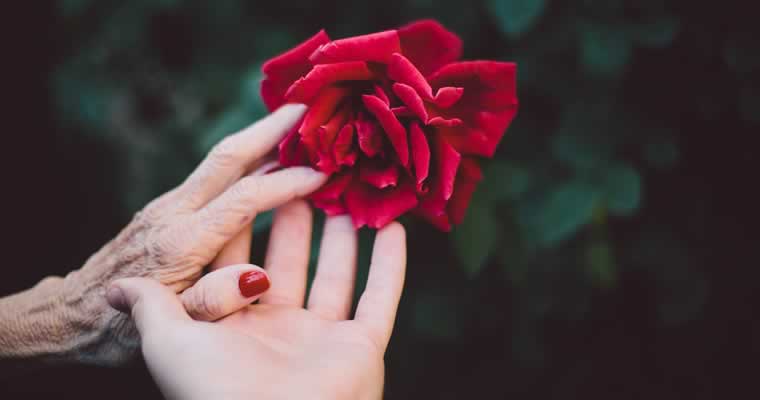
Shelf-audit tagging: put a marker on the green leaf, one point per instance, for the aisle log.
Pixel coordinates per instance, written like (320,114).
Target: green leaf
(656,33)
(476,238)
(73,8)
(605,51)
(661,153)
(622,189)
(516,17)
(559,214)
(600,264)
(505,181)
(583,140)
(436,315)
(262,222)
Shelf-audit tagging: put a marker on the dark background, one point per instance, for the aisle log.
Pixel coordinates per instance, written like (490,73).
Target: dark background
(608,254)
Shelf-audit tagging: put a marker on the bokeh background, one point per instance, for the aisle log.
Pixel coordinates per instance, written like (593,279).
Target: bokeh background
(607,254)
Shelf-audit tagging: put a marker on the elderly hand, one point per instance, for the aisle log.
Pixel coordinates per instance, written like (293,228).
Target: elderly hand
(206,220)
(278,349)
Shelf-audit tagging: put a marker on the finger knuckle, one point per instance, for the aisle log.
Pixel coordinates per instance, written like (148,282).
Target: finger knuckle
(249,190)
(204,305)
(226,152)
(166,248)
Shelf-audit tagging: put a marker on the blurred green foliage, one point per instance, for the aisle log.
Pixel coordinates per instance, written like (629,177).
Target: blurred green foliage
(562,213)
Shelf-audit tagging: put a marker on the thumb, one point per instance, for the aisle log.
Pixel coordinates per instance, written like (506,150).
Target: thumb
(150,303)
(224,291)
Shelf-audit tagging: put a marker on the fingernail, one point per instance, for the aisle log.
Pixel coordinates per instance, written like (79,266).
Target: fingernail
(116,299)
(253,283)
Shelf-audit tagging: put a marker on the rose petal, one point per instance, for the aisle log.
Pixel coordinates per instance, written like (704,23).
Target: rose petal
(376,47)
(305,89)
(467,180)
(327,134)
(291,151)
(482,135)
(412,100)
(370,138)
(379,175)
(489,85)
(329,196)
(447,163)
(377,207)
(420,153)
(440,121)
(343,146)
(280,72)
(438,219)
(402,111)
(334,188)
(322,109)
(380,92)
(486,108)
(429,45)
(393,128)
(442,179)
(403,71)
(448,96)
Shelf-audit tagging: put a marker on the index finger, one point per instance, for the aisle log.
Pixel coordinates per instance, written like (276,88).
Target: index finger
(379,302)
(236,154)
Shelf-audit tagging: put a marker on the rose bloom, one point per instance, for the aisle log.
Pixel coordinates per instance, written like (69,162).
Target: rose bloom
(395,120)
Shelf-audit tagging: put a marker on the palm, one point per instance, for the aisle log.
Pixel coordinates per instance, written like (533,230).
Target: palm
(296,339)
(318,342)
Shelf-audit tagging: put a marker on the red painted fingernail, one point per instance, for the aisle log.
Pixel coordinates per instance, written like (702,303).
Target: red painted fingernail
(253,283)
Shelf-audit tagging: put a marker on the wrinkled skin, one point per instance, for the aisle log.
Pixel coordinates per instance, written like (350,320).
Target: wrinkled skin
(202,222)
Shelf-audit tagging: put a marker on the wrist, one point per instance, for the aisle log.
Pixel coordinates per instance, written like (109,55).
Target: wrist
(64,320)
(31,322)
(93,332)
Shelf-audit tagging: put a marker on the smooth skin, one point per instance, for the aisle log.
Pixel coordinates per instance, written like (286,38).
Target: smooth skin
(278,349)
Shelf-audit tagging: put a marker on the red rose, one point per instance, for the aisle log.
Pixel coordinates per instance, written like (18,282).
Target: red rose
(394,119)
